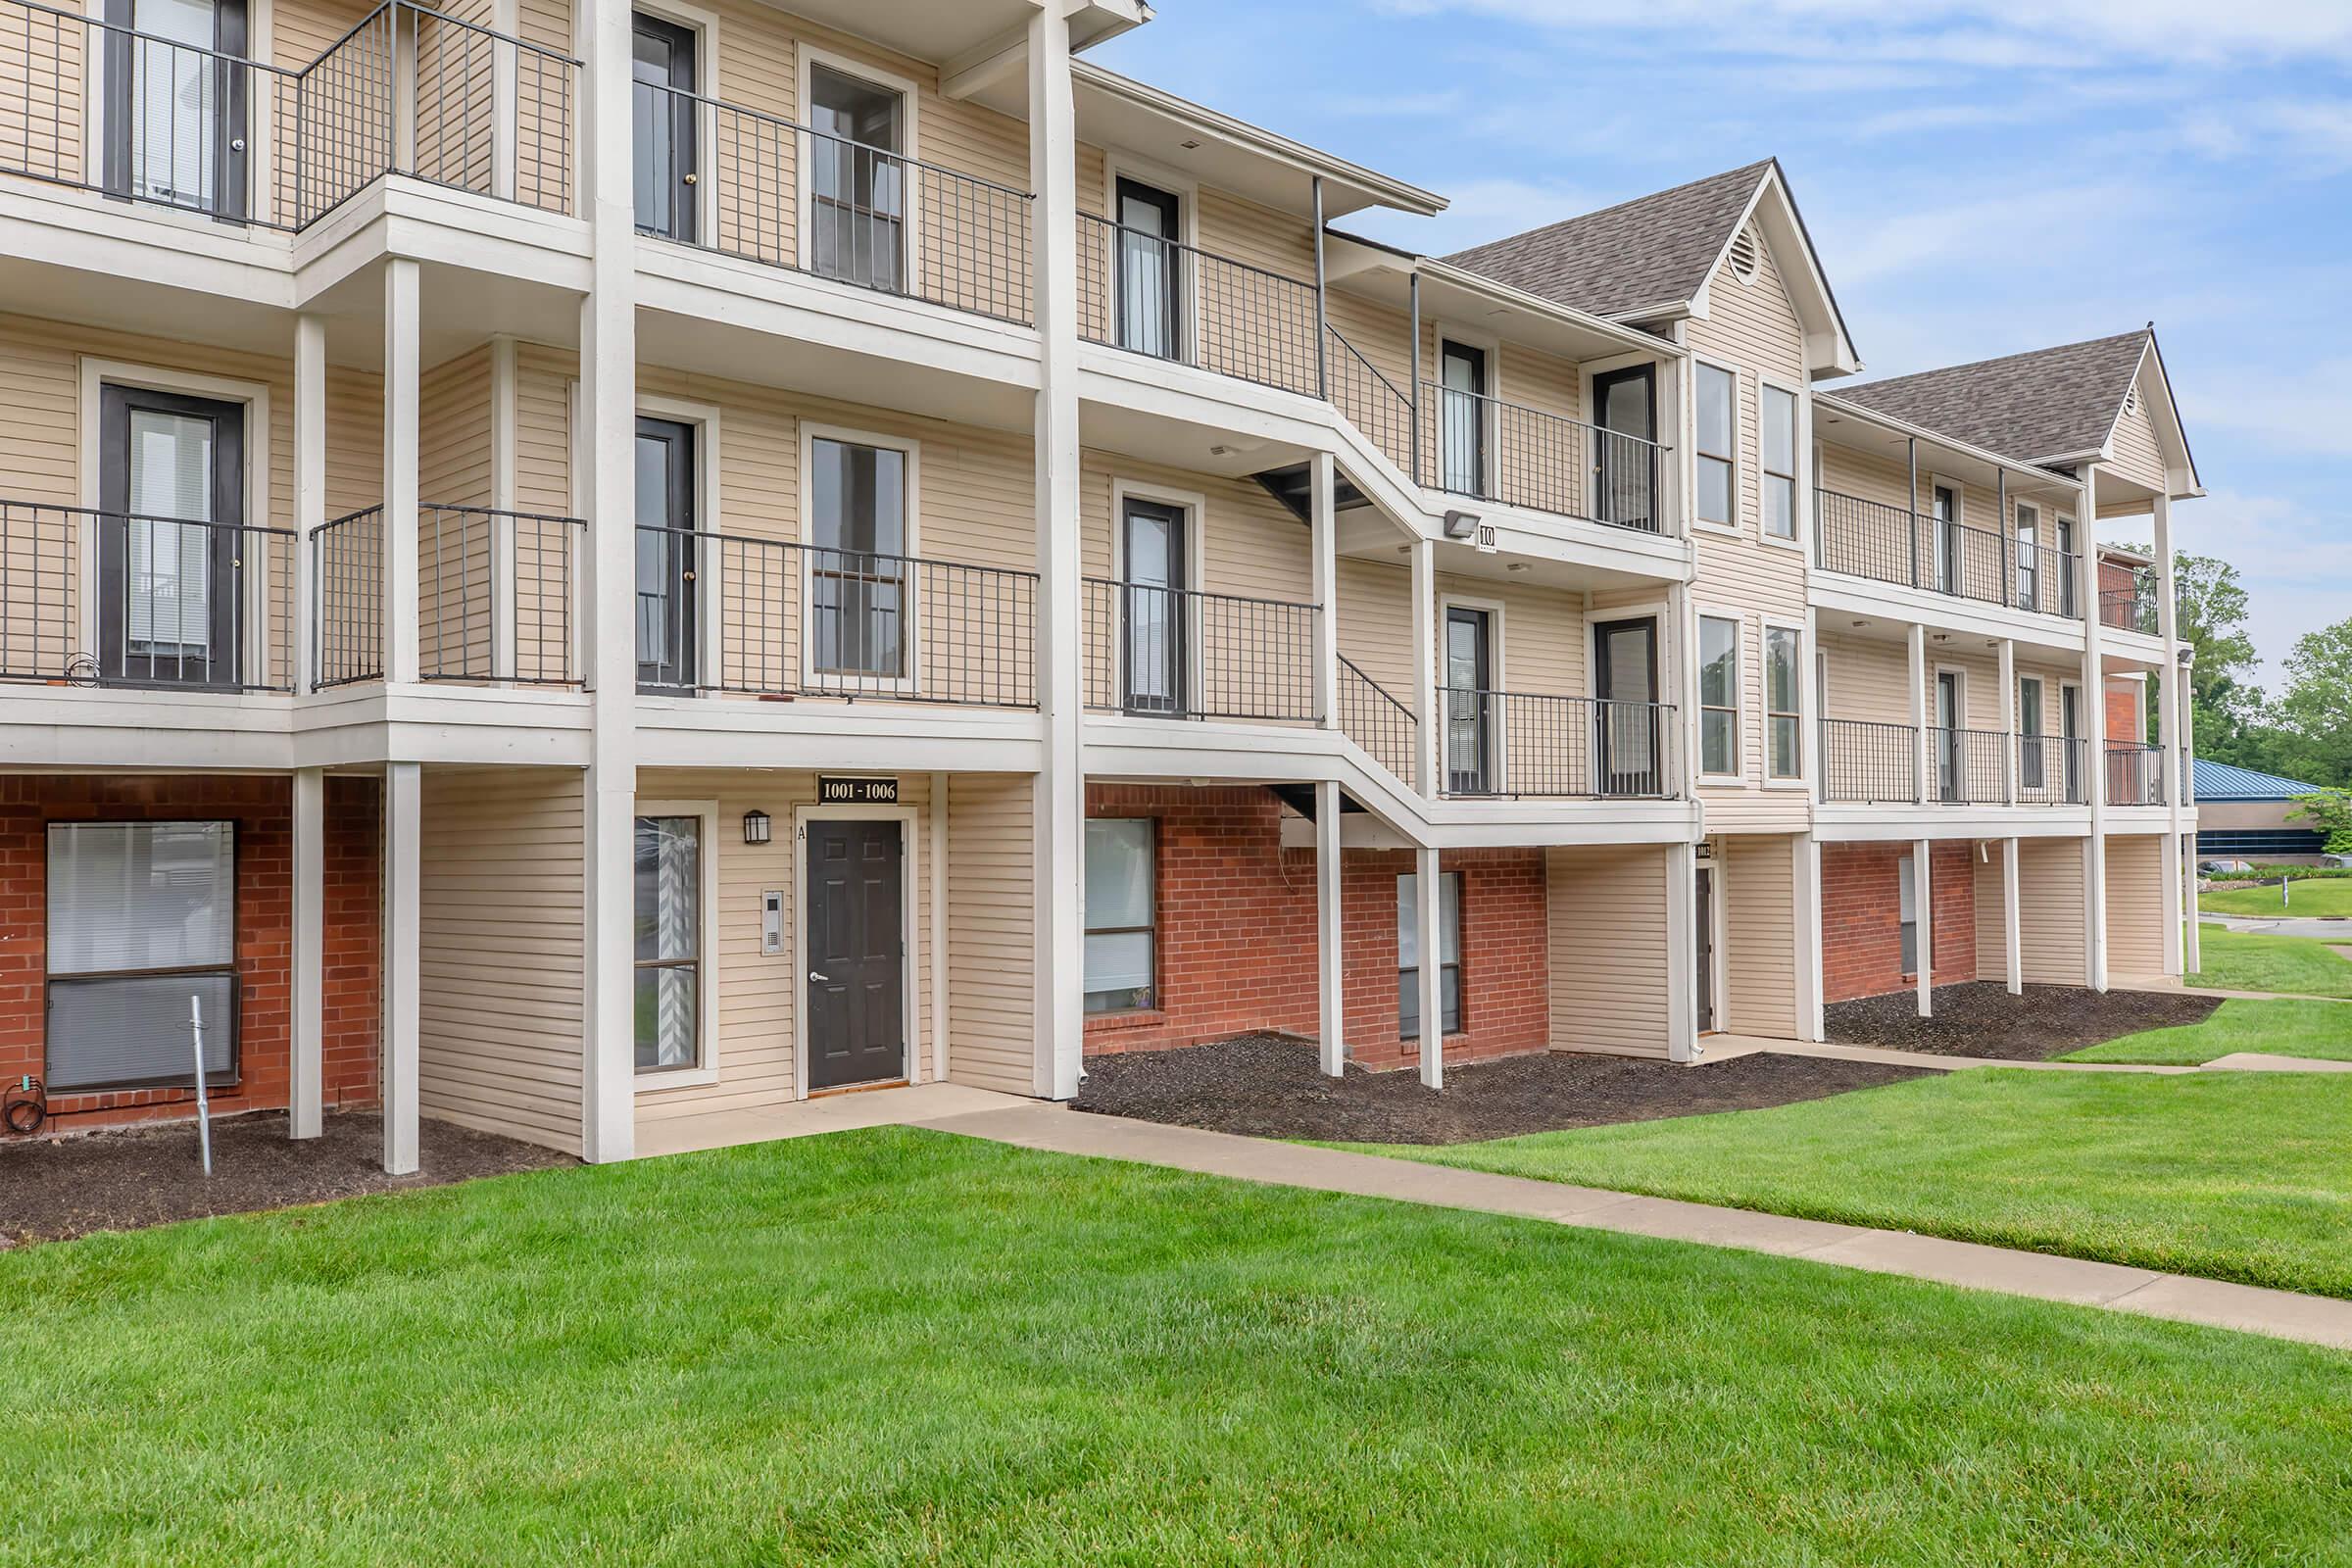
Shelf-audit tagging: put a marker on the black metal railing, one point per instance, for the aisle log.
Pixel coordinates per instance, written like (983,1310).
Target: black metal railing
(1888,544)
(1864,762)
(170,602)
(1533,744)
(2127,597)
(2052,771)
(1372,403)
(406,90)
(1179,652)
(751,184)
(1476,445)
(1968,766)
(790,619)
(1161,297)
(1372,717)
(347,599)
(2135,775)
(495,595)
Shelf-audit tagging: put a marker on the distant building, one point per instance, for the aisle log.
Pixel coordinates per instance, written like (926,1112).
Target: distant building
(2244,813)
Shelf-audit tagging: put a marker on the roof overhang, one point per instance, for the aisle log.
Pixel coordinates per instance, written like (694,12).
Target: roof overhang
(1829,347)
(1962,460)
(1469,299)
(959,34)
(2181,465)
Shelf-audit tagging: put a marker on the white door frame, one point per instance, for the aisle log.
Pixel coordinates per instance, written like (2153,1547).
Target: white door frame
(917,952)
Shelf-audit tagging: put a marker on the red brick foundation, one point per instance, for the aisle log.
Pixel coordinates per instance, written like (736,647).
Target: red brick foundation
(1861,917)
(261,810)
(1237,934)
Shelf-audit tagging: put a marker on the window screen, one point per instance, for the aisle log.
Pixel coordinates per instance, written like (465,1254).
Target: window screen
(1121,904)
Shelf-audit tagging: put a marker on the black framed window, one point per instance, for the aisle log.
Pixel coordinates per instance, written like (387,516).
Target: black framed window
(1408,953)
(172,483)
(141,920)
(1156,609)
(178,97)
(1150,269)
(1906,896)
(1462,419)
(667,609)
(2029,556)
(1624,459)
(858,589)
(662,87)
(2031,768)
(667,872)
(1469,700)
(1122,913)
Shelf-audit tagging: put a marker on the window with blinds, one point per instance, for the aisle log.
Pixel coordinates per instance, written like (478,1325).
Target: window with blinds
(142,917)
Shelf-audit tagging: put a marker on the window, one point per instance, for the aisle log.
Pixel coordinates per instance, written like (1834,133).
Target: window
(1907,910)
(1718,695)
(1782,702)
(1718,401)
(858,567)
(1408,953)
(1463,422)
(669,874)
(1780,464)
(2029,562)
(142,917)
(2029,765)
(1151,270)
(858,181)
(1122,898)
(1946,500)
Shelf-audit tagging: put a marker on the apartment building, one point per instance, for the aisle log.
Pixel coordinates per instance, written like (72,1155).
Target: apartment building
(584,571)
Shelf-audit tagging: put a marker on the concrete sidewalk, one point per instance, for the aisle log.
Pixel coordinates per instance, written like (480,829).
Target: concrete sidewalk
(2281,1314)
(1729,1047)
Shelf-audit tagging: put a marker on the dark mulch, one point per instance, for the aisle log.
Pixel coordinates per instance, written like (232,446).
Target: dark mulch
(1267,1087)
(1982,1019)
(51,1188)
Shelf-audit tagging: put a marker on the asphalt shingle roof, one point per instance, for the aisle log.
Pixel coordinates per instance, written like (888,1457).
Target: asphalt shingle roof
(1653,250)
(2221,781)
(2049,403)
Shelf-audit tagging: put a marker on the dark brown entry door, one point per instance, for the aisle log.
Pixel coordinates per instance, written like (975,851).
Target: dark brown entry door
(856,954)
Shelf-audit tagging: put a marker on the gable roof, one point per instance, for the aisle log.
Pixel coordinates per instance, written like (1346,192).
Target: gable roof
(2219,781)
(2041,406)
(1654,251)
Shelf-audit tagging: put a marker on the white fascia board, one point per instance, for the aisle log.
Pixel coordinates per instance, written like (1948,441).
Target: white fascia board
(1631,339)
(1940,611)
(1904,824)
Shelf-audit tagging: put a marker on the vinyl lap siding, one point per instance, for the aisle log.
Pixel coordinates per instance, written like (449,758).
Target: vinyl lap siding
(2136,906)
(2050,916)
(1759,923)
(1608,961)
(2138,452)
(991,956)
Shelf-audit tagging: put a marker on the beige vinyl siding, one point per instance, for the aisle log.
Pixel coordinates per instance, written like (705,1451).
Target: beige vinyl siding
(1758,882)
(1384,339)
(2136,906)
(543,394)
(1869,679)
(2138,452)
(455,604)
(500,969)
(991,960)
(2049,899)
(1874,544)
(1606,920)
(45,65)
(759,994)
(1992,926)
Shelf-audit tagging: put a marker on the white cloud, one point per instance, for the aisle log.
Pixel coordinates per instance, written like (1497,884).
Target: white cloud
(2305,408)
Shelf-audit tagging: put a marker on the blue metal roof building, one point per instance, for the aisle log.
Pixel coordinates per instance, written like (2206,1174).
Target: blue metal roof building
(2241,814)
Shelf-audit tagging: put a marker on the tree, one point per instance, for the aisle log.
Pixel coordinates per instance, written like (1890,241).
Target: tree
(2329,811)
(2313,713)
(2210,609)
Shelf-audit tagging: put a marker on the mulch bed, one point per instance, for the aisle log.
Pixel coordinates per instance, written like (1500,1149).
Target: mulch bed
(52,1188)
(1982,1018)
(1264,1086)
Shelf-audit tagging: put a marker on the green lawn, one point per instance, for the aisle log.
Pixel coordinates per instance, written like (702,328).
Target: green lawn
(2240,1176)
(2313,900)
(2244,960)
(2276,1028)
(896,1346)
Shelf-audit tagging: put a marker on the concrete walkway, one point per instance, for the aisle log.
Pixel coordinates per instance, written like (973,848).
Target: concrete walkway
(2281,1314)
(1727,1048)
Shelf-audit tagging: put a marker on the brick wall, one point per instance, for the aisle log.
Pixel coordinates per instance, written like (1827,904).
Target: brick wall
(1237,934)
(2123,712)
(261,810)
(1861,917)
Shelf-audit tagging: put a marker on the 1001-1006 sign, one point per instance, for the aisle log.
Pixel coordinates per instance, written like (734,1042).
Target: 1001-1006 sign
(857,791)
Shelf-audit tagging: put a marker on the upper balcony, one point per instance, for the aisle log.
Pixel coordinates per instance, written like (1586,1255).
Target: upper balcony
(1891,544)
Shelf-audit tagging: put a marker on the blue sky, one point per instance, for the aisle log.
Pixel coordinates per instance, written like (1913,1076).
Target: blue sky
(1982,177)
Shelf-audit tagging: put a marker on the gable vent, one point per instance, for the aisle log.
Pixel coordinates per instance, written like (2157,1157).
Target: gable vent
(2132,400)
(1747,255)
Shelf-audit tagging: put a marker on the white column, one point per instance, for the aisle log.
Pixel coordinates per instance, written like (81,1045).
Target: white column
(1922,860)
(1682,953)
(1331,953)
(1431,953)
(2095,698)
(2171,696)
(1427,765)
(2013,953)
(505,487)
(400,592)
(2191,941)
(404,787)
(310,491)
(2169,856)
(608,455)
(2009,743)
(1322,487)
(305,1076)
(1808,938)
(1060,800)
(1922,785)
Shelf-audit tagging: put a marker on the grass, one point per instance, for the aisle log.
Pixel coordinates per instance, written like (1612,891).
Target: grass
(2237,1176)
(2246,961)
(2320,1029)
(2306,900)
(896,1346)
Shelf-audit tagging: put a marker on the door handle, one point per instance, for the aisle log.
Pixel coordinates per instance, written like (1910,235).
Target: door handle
(814,975)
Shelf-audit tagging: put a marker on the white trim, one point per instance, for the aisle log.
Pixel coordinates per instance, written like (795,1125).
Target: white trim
(1799,431)
(97,373)
(1699,363)
(706,950)
(910,236)
(909,618)
(908,967)
(703,418)
(1701,613)
(1767,623)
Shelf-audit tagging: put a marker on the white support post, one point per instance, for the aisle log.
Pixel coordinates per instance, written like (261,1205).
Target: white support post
(2013,953)
(1682,953)
(2094,696)
(404,788)
(1331,953)
(2009,741)
(1427,777)
(305,1076)
(1920,784)
(505,487)
(2171,694)
(2193,957)
(1808,939)
(1322,487)
(1059,808)
(400,591)
(310,493)
(505,68)
(1923,858)
(608,456)
(1431,951)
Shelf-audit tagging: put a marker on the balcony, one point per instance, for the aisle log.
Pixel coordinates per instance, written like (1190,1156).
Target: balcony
(2127,597)
(2135,775)
(1888,544)
(1168,299)
(1181,654)
(1534,746)
(495,597)
(1488,449)
(96,107)
(744,183)
(1869,763)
